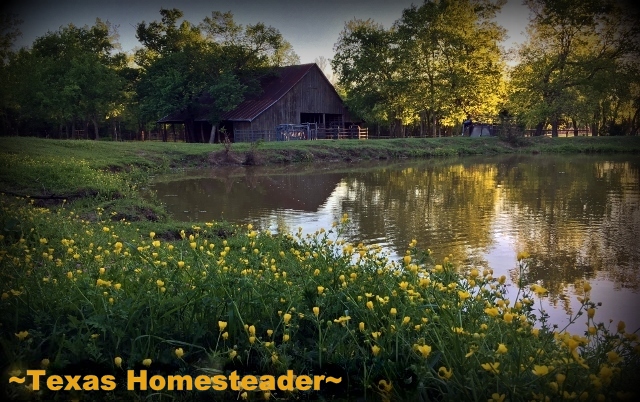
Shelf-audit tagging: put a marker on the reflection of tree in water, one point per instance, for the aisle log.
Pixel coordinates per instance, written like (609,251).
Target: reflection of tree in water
(241,194)
(430,202)
(578,217)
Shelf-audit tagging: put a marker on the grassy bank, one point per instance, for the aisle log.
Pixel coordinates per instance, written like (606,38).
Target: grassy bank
(94,281)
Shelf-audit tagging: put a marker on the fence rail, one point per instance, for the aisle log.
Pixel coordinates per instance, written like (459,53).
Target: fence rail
(338,133)
(561,133)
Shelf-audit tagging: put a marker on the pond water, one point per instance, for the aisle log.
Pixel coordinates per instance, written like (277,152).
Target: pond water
(578,216)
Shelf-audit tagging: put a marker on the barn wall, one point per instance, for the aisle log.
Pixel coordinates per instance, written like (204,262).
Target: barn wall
(313,94)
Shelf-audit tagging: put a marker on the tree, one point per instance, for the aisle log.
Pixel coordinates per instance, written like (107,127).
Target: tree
(68,76)
(450,59)
(205,69)
(438,63)
(364,63)
(571,43)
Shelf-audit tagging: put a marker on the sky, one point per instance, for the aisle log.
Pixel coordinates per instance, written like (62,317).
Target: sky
(311,26)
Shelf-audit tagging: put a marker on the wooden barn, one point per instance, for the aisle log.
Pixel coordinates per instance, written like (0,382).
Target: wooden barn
(290,98)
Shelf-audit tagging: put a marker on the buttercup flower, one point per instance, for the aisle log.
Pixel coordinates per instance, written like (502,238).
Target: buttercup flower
(286,318)
(222,325)
(491,367)
(425,350)
(146,362)
(375,349)
(540,370)
(444,373)
(179,353)
(22,334)
(502,349)
(118,361)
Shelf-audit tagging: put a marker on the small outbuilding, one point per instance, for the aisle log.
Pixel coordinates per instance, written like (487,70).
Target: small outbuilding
(292,95)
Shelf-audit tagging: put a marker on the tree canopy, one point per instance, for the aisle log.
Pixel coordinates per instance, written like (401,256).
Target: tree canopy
(441,62)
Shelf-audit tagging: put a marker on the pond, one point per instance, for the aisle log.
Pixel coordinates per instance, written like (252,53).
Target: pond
(577,216)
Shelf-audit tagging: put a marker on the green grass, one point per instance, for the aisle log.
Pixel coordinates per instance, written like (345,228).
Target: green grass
(101,281)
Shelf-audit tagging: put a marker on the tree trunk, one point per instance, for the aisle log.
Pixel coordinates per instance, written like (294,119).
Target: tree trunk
(575,127)
(212,136)
(539,127)
(95,128)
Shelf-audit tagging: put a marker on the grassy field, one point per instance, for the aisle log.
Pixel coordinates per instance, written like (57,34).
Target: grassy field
(95,281)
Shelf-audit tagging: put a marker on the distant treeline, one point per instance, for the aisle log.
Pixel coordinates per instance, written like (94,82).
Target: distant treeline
(439,64)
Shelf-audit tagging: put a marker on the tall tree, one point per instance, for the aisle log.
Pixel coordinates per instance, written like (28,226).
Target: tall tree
(69,76)
(365,64)
(451,61)
(439,62)
(206,69)
(571,42)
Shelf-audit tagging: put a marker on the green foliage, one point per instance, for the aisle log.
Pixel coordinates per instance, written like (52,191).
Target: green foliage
(574,63)
(214,298)
(440,61)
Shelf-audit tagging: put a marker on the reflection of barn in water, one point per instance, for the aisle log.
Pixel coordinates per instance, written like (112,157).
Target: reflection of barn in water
(238,197)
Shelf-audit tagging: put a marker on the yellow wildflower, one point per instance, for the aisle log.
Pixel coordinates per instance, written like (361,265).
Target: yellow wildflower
(146,362)
(393,311)
(179,353)
(222,325)
(502,349)
(425,350)
(370,305)
(613,357)
(540,370)
(491,311)
(118,361)
(496,397)
(286,318)
(491,367)
(445,374)
(375,349)
(22,334)
(316,311)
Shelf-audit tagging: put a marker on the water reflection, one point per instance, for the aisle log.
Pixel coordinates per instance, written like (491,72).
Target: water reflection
(578,216)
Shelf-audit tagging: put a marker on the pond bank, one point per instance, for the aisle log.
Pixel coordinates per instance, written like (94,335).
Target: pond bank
(109,174)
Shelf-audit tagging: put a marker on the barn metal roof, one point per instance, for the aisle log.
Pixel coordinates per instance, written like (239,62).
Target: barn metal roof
(273,88)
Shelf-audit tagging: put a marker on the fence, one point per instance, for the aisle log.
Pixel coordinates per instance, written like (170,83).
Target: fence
(290,132)
(569,132)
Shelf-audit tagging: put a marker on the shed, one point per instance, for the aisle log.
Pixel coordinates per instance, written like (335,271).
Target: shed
(295,94)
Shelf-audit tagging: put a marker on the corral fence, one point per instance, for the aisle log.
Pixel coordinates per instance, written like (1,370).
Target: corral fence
(306,131)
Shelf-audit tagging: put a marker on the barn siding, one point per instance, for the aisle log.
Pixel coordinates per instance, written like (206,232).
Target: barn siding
(313,94)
